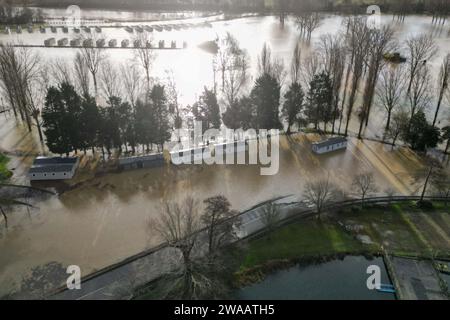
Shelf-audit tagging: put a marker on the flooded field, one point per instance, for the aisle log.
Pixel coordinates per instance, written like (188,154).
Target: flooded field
(106,219)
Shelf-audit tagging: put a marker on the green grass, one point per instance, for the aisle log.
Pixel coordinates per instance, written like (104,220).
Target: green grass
(306,238)
(5,174)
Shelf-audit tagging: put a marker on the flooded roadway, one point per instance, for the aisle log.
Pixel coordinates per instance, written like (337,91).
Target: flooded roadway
(105,219)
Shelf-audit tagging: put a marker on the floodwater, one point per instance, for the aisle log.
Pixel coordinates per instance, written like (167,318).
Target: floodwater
(106,219)
(334,280)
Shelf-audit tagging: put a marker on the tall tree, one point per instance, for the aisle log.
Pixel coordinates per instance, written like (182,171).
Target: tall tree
(160,115)
(293,105)
(265,97)
(390,90)
(319,107)
(444,76)
(207,110)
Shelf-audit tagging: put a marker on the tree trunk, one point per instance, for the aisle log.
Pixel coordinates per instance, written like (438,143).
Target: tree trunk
(426,184)
(4,216)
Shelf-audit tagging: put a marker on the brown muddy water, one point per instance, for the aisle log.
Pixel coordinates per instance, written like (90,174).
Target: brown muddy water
(106,219)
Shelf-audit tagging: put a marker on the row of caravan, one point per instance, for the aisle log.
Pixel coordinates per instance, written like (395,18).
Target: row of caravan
(101,43)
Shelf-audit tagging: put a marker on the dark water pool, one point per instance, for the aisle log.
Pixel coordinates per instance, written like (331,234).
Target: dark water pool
(337,279)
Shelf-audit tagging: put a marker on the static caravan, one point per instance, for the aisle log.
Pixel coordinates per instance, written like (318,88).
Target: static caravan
(49,42)
(101,43)
(55,168)
(112,43)
(75,42)
(329,145)
(88,43)
(139,162)
(63,42)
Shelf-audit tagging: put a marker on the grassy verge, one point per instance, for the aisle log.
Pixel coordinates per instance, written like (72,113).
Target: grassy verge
(5,174)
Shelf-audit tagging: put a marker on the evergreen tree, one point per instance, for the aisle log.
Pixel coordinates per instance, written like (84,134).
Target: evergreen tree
(421,135)
(61,119)
(89,122)
(207,110)
(293,105)
(159,115)
(320,96)
(241,114)
(265,98)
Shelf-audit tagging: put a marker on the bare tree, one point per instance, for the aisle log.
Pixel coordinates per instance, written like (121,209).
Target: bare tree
(307,22)
(131,82)
(270,217)
(296,64)
(60,71)
(441,183)
(333,57)
(364,184)
(93,57)
(419,93)
(178,226)
(381,41)
(320,193)
(271,66)
(144,55)
(444,76)
(390,89)
(421,49)
(111,83)
(358,43)
(220,221)
(399,123)
(81,71)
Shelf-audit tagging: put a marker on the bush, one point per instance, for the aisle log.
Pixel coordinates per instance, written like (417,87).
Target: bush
(425,204)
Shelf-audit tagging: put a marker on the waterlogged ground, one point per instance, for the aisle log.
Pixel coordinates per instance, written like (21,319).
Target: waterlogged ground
(106,219)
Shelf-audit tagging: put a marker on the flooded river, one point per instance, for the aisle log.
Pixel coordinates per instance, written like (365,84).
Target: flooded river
(105,219)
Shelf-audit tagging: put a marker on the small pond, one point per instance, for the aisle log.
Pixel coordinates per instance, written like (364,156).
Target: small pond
(337,279)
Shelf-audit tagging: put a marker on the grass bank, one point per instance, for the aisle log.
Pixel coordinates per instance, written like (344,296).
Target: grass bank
(5,174)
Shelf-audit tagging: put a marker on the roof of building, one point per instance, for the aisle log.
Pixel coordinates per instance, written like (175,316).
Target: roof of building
(51,168)
(150,157)
(54,161)
(330,141)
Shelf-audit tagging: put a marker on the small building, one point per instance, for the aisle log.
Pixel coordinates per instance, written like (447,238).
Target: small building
(55,168)
(139,162)
(329,145)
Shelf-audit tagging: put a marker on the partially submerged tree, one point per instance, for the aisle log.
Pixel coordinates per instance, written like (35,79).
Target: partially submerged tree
(390,90)
(178,226)
(220,222)
(270,217)
(320,193)
(364,184)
